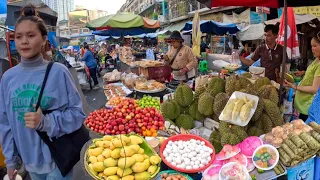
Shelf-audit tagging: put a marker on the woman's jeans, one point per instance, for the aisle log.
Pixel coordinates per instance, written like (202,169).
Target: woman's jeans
(93,74)
(54,175)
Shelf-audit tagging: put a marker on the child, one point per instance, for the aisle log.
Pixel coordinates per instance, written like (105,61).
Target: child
(19,92)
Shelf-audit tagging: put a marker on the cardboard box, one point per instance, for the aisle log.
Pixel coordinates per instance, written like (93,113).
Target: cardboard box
(160,73)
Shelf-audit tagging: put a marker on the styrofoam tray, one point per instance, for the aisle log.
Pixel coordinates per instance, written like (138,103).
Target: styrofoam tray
(238,94)
(231,164)
(267,175)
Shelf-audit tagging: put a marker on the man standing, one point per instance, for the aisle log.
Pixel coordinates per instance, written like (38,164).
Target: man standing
(270,53)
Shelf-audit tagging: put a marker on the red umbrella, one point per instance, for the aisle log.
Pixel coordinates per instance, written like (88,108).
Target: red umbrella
(266,3)
(255,3)
(292,39)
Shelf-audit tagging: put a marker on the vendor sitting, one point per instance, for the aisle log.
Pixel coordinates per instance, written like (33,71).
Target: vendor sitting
(181,59)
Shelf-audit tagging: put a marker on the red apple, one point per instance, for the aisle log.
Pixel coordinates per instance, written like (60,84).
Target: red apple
(156,123)
(116,128)
(128,117)
(139,120)
(130,130)
(113,123)
(121,127)
(138,116)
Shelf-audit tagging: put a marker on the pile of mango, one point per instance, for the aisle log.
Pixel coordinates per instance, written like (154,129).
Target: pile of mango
(121,157)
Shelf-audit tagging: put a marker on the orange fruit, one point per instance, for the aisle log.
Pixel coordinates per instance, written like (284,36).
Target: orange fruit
(149,133)
(143,128)
(144,133)
(154,134)
(153,130)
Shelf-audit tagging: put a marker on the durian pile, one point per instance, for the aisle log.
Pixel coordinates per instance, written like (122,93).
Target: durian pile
(266,116)
(210,100)
(182,110)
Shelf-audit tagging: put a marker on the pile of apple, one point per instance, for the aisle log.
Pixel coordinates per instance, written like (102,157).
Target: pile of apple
(125,118)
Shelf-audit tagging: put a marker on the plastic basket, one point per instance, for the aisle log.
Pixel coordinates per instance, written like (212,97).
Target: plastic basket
(304,170)
(148,150)
(186,137)
(172,172)
(317,168)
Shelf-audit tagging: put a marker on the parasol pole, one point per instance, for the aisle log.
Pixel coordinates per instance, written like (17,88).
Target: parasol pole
(284,58)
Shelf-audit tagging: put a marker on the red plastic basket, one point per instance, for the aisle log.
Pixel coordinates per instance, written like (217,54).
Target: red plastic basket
(186,137)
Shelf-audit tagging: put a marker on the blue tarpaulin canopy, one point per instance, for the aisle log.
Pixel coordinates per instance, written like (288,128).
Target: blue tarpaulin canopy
(82,35)
(213,27)
(124,32)
(103,38)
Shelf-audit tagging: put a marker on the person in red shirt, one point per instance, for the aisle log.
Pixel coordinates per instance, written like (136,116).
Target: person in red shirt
(246,50)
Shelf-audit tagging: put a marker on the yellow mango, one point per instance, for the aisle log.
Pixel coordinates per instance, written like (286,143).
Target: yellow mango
(114,177)
(112,147)
(97,151)
(90,152)
(110,162)
(118,143)
(130,177)
(135,148)
(115,154)
(110,171)
(93,159)
(100,158)
(106,144)
(126,162)
(146,162)
(124,138)
(99,144)
(125,172)
(135,139)
(101,174)
(145,156)
(138,157)
(91,170)
(152,169)
(126,151)
(155,160)
(98,167)
(139,167)
(107,138)
(107,153)
(142,176)
(141,151)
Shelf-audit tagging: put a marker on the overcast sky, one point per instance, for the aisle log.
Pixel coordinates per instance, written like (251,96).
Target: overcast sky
(111,6)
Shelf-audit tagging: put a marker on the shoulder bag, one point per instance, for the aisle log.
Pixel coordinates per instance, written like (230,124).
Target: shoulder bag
(66,149)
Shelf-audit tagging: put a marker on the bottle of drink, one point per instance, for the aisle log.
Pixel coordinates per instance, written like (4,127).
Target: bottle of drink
(235,58)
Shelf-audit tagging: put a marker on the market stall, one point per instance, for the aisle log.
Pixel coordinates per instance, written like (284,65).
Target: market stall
(228,124)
